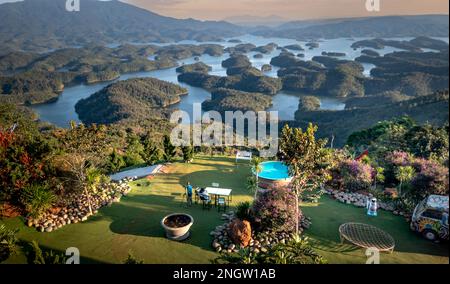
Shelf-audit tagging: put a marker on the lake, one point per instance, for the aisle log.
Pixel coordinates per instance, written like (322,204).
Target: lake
(62,111)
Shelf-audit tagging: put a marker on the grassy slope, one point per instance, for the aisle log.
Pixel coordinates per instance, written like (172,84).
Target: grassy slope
(134,225)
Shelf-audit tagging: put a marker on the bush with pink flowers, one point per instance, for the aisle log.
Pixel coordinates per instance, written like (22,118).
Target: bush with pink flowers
(431,178)
(274,210)
(356,175)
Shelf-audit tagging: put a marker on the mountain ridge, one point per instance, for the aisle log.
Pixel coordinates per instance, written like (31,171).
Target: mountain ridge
(50,26)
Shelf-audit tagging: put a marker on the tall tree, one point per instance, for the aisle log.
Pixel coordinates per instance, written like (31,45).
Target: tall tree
(188,154)
(152,154)
(306,158)
(170,150)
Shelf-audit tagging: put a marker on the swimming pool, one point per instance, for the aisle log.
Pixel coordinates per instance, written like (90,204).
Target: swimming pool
(273,174)
(274,171)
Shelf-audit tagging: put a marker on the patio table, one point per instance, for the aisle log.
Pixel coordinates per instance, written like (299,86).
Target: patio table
(219,192)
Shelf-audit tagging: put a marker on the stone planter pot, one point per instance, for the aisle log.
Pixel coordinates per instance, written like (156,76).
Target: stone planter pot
(177,226)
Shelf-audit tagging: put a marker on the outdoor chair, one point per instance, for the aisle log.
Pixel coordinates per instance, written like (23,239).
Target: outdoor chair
(222,204)
(196,196)
(206,204)
(215,184)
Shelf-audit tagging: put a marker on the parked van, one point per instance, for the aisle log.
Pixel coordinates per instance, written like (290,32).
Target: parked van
(430,218)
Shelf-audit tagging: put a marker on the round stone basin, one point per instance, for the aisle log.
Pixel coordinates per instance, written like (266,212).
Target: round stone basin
(177,226)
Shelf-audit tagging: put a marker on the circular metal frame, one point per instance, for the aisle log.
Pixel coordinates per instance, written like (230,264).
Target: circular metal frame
(366,236)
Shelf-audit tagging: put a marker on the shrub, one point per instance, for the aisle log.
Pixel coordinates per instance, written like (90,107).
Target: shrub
(170,151)
(188,154)
(152,154)
(37,199)
(296,251)
(393,161)
(399,158)
(275,210)
(131,259)
(8,242)
(431,178)
(244,211)
(357,175)
(115,162)
(38,256)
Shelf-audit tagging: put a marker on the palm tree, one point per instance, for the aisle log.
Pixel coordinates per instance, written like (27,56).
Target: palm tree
(256,166)
(404,175)
(93,179)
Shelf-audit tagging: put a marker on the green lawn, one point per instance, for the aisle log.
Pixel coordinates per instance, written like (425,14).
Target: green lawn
(329,214)
(134,223)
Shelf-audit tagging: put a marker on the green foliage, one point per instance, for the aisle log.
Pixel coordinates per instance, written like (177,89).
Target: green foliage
(116,162)
(404,175)
(243,256)
(423,176)
(379,176)
(245,82)
(403,134)
(196,67)
(138,99)
(93,179)
(39,256)
(309,103)
(170,151)
(307,159)
(244,211)
(223,100)
(295,251)
(134,151)
(37,199)
(152,154)
(188,153)
(8,242)
(24,153)
(428,141)
(252,184)
(132,260)
(257,168)
(431,107)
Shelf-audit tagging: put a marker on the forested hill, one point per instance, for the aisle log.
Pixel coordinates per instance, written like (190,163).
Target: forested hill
(139,98)
(388,26)
(44,24)
(431,109)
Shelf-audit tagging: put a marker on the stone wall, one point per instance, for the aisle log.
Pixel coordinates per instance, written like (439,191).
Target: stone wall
(77,210)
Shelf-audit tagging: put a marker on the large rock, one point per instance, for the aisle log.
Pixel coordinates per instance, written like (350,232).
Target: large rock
(240,232)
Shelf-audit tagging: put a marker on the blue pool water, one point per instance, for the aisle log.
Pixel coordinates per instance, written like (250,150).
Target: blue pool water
(274,171)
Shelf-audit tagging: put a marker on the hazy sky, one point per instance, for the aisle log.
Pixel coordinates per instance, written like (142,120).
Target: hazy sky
(290,9)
